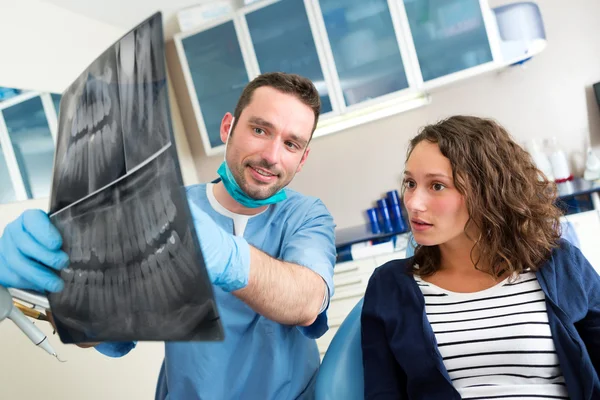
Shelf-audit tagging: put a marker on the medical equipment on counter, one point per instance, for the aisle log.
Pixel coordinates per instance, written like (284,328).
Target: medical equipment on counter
(592,166)
(559,162)
(540,158)
(374,220)
(394,204)
(387,217)
(8,310)
(384,214)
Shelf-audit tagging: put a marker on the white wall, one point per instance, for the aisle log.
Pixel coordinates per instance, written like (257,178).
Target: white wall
(46,44)
(127,14)
(45,47)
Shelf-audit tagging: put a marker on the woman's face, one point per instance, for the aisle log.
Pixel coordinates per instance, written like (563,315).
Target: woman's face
(436,210)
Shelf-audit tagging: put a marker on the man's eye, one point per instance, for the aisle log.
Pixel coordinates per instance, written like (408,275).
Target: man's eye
(291,145)
(259,131)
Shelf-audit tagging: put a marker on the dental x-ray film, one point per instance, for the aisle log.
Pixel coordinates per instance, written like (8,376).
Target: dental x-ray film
(136,269)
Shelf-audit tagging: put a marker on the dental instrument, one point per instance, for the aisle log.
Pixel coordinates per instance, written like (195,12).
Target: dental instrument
(8,310)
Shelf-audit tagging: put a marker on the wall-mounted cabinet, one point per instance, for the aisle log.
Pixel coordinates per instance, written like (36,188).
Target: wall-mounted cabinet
(364,56)
(28,125)
(217,72)
(281,39)
(367,59)
(449,36)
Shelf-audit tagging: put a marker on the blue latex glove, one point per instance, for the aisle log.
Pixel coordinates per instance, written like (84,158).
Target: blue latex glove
(227,257)
(30,251)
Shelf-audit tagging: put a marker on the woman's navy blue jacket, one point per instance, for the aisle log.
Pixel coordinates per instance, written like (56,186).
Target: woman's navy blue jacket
(400,355)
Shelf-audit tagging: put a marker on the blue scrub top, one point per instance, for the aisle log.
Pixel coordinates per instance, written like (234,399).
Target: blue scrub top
(259,358)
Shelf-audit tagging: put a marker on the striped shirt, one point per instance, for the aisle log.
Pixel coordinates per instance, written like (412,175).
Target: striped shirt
(496,343)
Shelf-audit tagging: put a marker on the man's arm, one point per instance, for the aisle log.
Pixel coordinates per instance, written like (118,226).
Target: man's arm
(281,291)
(289,291)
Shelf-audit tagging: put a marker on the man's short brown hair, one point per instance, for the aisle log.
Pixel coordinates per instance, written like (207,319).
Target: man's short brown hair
(302,88)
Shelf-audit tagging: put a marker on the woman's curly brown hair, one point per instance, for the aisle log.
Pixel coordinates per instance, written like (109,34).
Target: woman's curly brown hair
(510,202)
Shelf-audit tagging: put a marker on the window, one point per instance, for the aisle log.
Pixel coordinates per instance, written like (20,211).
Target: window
(7,192)
(27,146)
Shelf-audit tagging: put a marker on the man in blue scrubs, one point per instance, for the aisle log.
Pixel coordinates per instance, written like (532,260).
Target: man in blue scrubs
(269,250)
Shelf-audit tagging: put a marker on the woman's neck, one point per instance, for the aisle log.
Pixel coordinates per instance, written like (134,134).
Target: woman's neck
(458,254)
(457,270)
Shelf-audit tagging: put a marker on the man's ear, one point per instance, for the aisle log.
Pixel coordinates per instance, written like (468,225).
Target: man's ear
(303,160)
(226,126)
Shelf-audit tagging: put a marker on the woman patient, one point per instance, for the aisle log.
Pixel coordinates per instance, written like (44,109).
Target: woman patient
(493,305)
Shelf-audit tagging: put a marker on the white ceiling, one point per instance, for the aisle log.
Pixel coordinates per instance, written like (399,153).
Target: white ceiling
(46,44)
(124,13)
(45,47)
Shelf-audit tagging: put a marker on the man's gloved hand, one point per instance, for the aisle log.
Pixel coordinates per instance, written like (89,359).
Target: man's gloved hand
(227,256)
(30,251)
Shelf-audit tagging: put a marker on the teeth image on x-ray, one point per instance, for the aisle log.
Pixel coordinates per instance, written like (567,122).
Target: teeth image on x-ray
(136,269)
(89,152)
(143,93)
(158,293)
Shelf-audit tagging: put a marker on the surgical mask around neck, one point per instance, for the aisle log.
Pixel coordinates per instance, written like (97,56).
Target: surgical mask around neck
(236,191)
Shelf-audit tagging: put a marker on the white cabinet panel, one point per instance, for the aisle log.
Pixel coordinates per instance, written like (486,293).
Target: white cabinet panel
(587,227)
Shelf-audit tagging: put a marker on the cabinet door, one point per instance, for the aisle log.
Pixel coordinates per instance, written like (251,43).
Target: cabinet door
(218,73)
(365,48)
(283,41)
(7,192)
(449,35)
(33,145)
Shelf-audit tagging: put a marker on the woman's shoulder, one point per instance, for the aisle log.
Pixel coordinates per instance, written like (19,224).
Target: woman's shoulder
(568,271)
(391,283)
(397,271)
(566,258)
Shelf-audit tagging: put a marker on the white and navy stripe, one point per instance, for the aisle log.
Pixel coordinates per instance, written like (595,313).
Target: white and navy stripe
(496,343)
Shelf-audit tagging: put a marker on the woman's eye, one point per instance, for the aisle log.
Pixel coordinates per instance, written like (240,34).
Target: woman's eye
(409,184)
(438,187)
